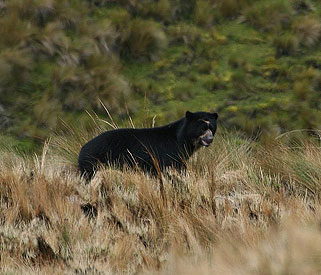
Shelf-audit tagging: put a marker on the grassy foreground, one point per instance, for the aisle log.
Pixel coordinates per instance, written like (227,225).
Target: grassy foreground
(241,208)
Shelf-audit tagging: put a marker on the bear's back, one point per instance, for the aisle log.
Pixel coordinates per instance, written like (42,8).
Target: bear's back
(130,146)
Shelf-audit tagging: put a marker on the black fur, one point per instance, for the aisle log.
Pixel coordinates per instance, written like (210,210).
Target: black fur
(170,145)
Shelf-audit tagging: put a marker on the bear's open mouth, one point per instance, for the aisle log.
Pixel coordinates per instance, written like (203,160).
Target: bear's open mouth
(206,139)
(205,143)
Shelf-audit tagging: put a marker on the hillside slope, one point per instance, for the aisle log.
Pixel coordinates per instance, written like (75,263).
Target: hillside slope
(255,62)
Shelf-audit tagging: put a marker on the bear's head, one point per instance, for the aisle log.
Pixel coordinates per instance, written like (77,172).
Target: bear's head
(200,128)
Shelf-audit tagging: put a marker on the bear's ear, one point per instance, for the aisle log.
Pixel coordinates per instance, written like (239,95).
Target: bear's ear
(189,115)
(214,115)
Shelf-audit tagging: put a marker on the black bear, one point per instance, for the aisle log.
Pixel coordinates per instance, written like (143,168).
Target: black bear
(151,149)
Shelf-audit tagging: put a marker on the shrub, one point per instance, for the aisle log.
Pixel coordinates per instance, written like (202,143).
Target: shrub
(105,36)
(161,10)
(286,44)
(98,83)
(210,82)
(120,17)
(203,14)
(303,6)
(46,112)
(183,91)
(15,67)
(146,40)
(304,104)
(232,8)
(269,15)
(185,8)
(183,33)
(14,30)
(307,30)
(239,81)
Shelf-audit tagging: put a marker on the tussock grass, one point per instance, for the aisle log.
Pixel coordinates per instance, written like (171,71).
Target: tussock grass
(308,30)
(146,40)
(240,208)
(260,13)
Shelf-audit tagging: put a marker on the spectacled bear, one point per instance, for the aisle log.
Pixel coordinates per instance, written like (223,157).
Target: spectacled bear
(151,149)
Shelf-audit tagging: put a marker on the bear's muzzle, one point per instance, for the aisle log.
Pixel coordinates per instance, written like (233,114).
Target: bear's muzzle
(206,139)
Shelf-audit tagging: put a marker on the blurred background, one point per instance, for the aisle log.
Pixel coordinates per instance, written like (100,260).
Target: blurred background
(255,62)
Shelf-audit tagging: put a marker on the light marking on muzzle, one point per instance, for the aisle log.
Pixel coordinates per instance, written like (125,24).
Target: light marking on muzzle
(206,121)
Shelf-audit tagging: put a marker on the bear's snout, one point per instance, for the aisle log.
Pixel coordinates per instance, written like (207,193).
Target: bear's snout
(207,138)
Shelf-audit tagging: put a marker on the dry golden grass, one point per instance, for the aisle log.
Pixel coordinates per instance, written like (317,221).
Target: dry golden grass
(241,208)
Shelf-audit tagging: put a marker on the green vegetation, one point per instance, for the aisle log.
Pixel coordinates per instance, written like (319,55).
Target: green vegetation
(257,63)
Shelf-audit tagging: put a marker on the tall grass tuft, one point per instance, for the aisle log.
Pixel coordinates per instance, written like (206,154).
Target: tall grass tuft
(269,15)
(308,30)
(146,40)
